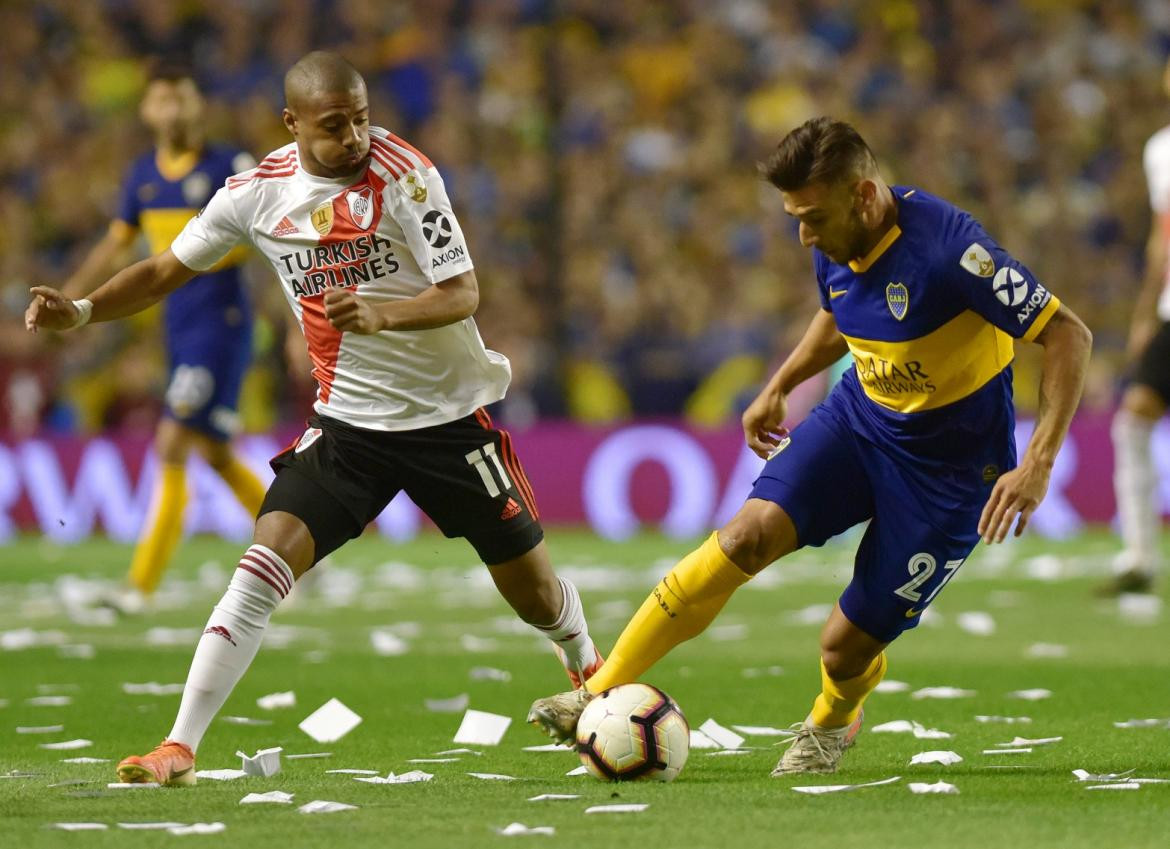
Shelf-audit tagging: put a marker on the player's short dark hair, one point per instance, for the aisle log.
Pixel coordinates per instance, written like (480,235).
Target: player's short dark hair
(820,150)
(170,70)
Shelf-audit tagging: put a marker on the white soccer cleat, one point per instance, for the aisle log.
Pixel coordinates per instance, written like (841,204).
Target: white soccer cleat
(558,715)
(578,675)
(816,749)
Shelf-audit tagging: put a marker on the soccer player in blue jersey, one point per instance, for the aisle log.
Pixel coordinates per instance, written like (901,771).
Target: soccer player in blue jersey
(917,438)
(208,322)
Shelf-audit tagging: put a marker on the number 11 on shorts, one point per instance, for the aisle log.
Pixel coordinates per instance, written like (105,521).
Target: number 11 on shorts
(478,458)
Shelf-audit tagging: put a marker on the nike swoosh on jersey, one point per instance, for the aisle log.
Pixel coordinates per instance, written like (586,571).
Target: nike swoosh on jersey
(911,613)
(836,293)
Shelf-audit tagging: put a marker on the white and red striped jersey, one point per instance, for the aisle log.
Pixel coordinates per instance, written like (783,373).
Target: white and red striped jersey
(1156,160)
(388,234)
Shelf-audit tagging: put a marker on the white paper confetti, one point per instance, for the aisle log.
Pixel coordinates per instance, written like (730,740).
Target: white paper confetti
(891,686)
(699,740)
(308,756)
(1006,720)
(946,758)
(264,764)
(39,729)
(198,828)
(65,745)
(387,643)
(937,787)
(275,701)
(1024,741)
(763,731)
(455,704)
(49,701)
(1033,695)
(580,770)
(272,797)
(85,760)
(1085,775)
(472,752)
(942,693)
(80,826)
(149,826)
(492,776)
(554,797)
(321,806)
(976,622)
(415,776)
(351,772)
(1120,785)
(489,673)
(518,828)
(821,789)
(725,737)
(432,760)
(617,809)
(550,747)
(330,722)
(1020,751)
(151,688)
(480,728)
(1142,723)
(247,720)
(1046,650)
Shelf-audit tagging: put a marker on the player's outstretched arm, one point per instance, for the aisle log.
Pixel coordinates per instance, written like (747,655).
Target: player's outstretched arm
(128,292)
(820,347)
(102,260)
(1067,344)
(447,302)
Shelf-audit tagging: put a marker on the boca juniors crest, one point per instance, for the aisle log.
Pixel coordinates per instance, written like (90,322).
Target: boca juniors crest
(897,299)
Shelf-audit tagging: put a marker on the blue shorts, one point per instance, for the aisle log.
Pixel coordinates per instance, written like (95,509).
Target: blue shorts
(206,373)
(829,479)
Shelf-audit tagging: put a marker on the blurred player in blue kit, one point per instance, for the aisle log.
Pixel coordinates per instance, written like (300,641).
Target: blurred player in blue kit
(917,438)
(207,322)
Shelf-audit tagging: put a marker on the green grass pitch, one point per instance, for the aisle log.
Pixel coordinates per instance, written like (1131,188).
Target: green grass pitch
(432,595)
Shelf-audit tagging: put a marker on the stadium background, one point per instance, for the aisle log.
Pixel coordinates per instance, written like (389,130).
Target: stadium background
(602,160)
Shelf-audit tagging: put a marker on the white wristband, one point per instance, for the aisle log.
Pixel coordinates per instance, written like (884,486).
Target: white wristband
(84,311)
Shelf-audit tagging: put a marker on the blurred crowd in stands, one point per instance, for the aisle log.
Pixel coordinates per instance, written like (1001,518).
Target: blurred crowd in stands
(602,159)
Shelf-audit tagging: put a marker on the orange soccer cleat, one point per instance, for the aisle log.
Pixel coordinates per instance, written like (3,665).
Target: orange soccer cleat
(171,764)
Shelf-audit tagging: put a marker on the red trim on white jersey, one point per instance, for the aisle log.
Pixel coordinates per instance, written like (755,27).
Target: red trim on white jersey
(323,338)
(404,143)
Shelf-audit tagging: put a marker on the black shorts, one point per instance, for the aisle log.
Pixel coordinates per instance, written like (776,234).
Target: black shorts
(1153,368)
(464,475)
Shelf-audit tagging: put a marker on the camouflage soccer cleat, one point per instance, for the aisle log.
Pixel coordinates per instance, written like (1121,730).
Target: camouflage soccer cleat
(816,749)
(558,714)
(578,675)
(171,764)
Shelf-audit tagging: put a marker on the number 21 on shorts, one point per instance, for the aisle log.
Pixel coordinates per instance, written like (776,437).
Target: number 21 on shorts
(922,567)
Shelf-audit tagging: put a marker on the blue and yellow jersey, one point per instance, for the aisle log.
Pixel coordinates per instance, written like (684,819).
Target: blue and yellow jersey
(158,198)
(930,316)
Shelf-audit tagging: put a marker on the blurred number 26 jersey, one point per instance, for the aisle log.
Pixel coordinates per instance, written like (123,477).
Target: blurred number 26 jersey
(930,316)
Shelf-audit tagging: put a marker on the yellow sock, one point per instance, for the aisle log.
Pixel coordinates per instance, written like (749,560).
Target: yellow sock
(157,543)
(244,484)
(840,701)
(682,605)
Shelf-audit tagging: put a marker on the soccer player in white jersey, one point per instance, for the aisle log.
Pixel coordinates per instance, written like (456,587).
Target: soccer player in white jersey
(1145,399)
(357,226)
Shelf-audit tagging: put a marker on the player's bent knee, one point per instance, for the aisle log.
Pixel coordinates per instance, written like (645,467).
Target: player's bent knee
(757,535)
(289,537)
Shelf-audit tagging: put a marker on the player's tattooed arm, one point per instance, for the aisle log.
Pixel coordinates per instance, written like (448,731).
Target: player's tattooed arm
(446,302)
(820,347)
(1067,344)
(128,292)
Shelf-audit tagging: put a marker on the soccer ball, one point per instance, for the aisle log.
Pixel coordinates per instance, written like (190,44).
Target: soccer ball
(633,732)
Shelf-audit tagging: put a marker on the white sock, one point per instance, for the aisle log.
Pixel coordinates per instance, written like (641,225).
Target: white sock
(230,640)
(1134,483)
(570,631)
